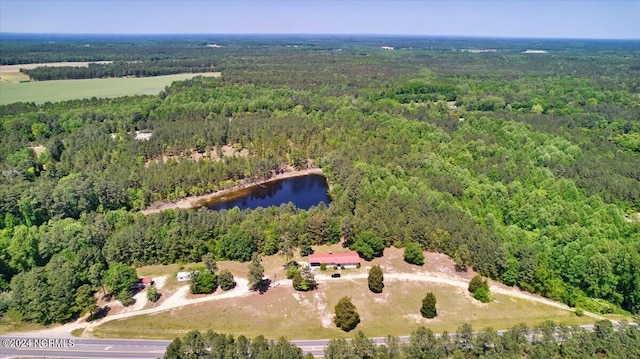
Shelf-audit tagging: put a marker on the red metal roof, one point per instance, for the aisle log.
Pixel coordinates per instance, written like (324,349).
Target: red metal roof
(335,258)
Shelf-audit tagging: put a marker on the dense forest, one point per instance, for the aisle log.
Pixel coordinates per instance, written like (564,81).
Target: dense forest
(523,166)
(543,341)
(119,69)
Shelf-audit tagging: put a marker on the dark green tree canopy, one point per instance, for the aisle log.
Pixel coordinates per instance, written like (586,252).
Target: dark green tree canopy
(376,279)
(413,254)
(120,278)
(428,309)
(346,316)
(256,272)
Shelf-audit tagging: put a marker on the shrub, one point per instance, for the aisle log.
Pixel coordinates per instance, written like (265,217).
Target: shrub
(304,280)
(152,293)
(413,254)
(323,266)
(203,282)
(125,297)
(347,317)
(482,294)
(291,272)
(480,289)
(476,282)
(226,280)
(428,309)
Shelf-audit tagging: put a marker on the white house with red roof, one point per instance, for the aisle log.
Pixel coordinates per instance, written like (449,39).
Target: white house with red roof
(347,260)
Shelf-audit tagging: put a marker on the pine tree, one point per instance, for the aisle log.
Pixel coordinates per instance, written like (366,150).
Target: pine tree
(428,309)
(376,279)
(256,272)
(210,261)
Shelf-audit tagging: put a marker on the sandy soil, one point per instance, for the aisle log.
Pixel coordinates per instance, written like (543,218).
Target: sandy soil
(16,68)
(193,155)
(190,202)
(38,149)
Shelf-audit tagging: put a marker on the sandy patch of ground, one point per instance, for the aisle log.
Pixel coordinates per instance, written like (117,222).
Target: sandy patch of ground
(190,202)
(320,301)
(193,155)
(159,281)
(635,217)
(38,149)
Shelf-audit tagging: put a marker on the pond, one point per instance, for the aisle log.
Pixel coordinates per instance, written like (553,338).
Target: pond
(304,192)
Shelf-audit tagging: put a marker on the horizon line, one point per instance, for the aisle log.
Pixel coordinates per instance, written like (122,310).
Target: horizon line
(496,37)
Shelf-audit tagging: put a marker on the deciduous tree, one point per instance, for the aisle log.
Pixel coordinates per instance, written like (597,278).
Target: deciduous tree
(346,315)
(203,282)
(226,280)
(120,279)
(152,293)
(413,254)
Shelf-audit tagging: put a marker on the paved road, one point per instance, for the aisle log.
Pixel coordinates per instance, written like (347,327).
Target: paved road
(18,347)
(14,347)
(11,347)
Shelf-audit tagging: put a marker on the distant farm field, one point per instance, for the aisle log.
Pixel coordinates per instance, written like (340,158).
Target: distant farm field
(62,90)
(11,73)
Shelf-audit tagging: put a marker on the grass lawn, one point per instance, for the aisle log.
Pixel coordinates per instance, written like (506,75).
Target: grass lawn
(282,311)
(10,325)
(61,90)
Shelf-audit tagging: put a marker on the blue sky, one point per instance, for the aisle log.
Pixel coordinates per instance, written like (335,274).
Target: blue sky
(542,18)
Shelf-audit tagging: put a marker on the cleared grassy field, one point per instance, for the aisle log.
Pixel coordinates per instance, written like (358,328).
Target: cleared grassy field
(297,315)
(61,90)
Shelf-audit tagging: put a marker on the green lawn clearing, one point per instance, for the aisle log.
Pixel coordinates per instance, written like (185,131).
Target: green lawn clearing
(282,311)
(62,90)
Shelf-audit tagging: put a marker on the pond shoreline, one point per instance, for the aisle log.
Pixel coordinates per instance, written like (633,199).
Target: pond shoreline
(193,201)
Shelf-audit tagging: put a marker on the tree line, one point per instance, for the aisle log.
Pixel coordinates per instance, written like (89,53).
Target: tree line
(119,69)
(546,340)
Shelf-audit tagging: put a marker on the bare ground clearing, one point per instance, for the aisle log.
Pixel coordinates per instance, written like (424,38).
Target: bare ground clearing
(194,155)
(38,149)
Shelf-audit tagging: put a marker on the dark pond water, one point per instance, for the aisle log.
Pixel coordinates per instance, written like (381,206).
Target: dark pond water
(304,192)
